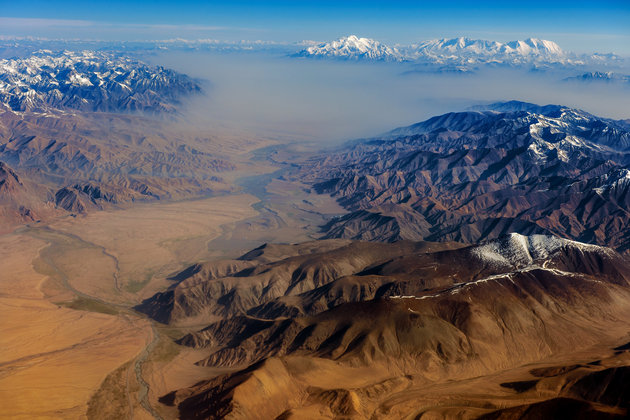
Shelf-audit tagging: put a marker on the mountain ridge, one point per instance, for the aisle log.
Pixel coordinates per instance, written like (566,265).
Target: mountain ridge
(461,52)
(95,130)
(475,175)
(426,315)
(90,81)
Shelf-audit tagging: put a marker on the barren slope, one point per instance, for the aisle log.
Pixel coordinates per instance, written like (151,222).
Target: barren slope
(405,321)
(477,175)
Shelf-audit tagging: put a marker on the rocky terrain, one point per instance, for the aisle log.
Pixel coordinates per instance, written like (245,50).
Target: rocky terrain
(82,162)
(86,130)
(90,81)
(21,200)
(423,301)
(476,175)
(355,329)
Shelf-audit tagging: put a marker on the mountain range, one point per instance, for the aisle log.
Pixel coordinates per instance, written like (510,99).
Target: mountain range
(90,81)
(480,269)
(337,328)
(473,277)
(455,51)
(599,76)
(82,131)
(476,175)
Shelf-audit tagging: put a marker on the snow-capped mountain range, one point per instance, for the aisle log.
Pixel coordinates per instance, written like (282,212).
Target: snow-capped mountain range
(90,81)
(476,49)
(453,51)
(547,133)
(475,175)
(353,47)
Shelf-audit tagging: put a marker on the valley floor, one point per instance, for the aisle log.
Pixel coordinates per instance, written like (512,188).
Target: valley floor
(73,347)
(66,290)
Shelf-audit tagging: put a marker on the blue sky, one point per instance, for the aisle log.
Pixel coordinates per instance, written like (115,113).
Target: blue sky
(577,25)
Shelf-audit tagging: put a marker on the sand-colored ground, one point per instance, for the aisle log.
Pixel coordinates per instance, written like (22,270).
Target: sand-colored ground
(173,367)
(470,398)
(68,337)
(53,358)
(150,241)
(311,388)
(288,212)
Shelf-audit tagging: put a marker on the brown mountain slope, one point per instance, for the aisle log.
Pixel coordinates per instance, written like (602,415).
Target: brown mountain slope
(267,273)
(91,161)
(392,338)
(128,151)
(472,176)
(99,129)
(21,200)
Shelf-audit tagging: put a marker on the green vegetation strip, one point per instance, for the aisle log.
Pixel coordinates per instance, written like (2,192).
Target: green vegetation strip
(91,305)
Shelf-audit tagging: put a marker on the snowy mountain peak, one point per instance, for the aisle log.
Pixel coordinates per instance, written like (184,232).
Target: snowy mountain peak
(352,47)
(548,133)
(455,45)
(535,47)
(454,51)
(531,47)
(600,76)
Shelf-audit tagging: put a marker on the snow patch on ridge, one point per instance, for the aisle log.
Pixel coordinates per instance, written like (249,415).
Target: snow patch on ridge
(517,250)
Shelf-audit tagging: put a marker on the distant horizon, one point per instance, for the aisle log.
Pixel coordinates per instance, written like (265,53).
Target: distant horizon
(293,43)
(576,26)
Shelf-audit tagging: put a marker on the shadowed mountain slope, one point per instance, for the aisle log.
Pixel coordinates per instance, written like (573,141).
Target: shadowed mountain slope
(364,329)
(471,176)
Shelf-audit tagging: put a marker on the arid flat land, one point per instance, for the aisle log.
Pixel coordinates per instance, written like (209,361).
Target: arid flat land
(66,294)
(73,347)
(146,243)
(53,357)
